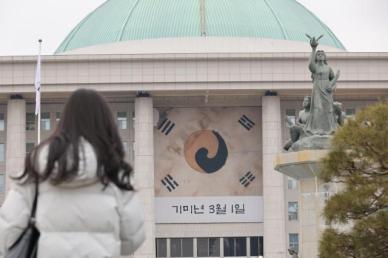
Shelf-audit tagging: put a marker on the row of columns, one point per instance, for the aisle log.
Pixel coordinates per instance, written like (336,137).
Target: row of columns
(273,189)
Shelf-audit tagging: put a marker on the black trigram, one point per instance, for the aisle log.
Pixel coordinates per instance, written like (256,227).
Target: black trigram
(246,122)
(247,179)
(166,126)
(169,182)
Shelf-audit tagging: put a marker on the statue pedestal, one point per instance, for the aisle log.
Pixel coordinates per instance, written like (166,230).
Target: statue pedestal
(305,167)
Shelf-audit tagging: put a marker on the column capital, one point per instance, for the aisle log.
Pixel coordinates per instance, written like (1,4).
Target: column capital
(142,94)
(16,96)
(270,93)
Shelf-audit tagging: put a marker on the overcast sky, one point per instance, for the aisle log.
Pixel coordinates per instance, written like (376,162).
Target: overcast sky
(361,25)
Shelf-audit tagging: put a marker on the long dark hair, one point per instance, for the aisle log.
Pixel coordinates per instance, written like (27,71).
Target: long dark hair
(86,114)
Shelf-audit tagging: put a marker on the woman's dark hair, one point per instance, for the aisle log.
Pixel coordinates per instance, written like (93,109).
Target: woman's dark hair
(86,114)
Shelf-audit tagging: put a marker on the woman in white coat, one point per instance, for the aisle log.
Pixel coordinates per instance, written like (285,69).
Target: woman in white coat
(87,206)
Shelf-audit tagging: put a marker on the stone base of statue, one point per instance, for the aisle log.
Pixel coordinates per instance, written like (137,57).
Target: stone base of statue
(313,142)
(305,167)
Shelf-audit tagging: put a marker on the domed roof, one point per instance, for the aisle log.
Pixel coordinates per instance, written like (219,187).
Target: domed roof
(123,20)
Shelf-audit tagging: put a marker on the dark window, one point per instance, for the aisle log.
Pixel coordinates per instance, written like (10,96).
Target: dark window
(161,247)
(57,117)
(208,247)
(122,120)
(30,121)
(292,210)
(29,147)
(45,121)
(294,241)
(350,112)
(1,122)
(214,247)
(235,246)
(176,247)
(291,183)
(2,152)
(187,247)
(125,146)
(2,183)
(256,246)
(290,113)
(181,247)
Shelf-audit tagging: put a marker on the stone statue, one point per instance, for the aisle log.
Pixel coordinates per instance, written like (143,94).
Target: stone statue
(293,252)
(339,114)
(296,130)
(322,118)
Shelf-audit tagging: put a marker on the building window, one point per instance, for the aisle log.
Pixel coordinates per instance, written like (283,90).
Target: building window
(235,246)
(122,120)
(161,247)
(2,152)
(291,183)
(208,247)
(292,210)
(256,246)
(2,183)
(294,241)
(30,121)
(29,147)
(290,114)
(57,117)
(181,247)
(125,146)
(350,113)
(326,191)
(1,122)
(45,121)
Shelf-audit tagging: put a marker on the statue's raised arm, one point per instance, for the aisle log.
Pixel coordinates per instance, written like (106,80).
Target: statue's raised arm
(314,44)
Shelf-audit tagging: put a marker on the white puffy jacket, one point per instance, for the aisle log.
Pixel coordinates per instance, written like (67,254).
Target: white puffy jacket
(77,218)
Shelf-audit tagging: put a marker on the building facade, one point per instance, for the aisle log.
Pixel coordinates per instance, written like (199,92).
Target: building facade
(200,102)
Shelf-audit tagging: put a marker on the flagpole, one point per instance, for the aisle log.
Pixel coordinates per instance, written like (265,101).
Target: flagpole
(38,88)
(38,128)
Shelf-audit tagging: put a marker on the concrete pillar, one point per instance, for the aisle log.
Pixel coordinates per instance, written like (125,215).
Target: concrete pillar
(144,170)
(273,189)
(312,202)
(16,138)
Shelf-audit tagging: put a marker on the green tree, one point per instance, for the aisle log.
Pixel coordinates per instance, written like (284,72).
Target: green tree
(358,213)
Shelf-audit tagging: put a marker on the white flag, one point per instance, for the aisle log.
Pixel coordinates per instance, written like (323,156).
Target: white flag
(37,83)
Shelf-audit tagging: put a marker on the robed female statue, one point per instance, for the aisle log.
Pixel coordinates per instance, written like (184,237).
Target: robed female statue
(322,119)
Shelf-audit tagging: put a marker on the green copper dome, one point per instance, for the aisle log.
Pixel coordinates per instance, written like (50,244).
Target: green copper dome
(123,20)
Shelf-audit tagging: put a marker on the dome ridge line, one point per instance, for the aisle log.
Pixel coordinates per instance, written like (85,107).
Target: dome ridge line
(284,32)
(202,15)
(121,32)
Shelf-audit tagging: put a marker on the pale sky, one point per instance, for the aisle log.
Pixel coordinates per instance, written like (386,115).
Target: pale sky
(361,25)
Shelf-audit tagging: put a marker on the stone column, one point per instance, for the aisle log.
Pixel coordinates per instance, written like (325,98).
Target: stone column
(144,170)
(312,203)
(16,138)
(273,189)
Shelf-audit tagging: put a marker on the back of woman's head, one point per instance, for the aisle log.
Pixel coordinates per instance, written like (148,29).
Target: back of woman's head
(86,115)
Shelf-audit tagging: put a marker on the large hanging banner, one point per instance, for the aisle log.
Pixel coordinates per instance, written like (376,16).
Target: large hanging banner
(208,165)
